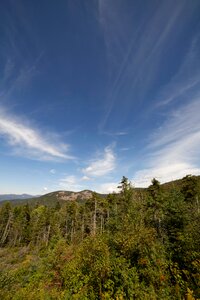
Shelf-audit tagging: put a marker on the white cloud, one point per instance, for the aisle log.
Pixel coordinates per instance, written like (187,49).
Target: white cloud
(185,81)
(164,173)
(8,69)
(70,183)
(174,147)
(114,133)
(14,78)
(29,142)
(107,188)
(52,171)
(125,149)
(135,60)
(102,166)
(45,189)
(85,178)
(174,150)
(121,133)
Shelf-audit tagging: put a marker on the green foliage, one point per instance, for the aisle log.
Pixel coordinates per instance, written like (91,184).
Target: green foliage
(189,188)
(138,244)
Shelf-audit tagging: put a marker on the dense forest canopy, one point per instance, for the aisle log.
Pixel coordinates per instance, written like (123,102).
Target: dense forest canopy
(138,244)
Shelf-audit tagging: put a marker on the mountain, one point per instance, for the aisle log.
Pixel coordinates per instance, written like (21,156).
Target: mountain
(15,197)
(69,195)
(178,183)
(62,196)
(131,238)
(51,198)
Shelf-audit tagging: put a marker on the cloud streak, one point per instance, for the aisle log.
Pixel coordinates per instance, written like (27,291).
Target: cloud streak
(108,187)
(174,149)
(70,183)
(101,166)
(137,61)
(30,142)
(185,81)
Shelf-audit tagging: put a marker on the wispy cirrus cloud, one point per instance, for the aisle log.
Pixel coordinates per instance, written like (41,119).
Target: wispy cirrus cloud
(101,165)
(52,171)
(186,81)
(27,141)
(115,133)
(85,178)
(20,51)
(76,183)
(17,79)
(70,183)
(8,70)
(136,61)
(108,187)
(174,148)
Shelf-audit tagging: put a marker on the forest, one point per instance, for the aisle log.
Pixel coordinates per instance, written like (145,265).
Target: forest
(135,244)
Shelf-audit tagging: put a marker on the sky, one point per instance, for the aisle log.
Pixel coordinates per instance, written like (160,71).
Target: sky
(94,90)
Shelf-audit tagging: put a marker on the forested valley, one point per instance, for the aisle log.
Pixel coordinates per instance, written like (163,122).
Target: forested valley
(135,244)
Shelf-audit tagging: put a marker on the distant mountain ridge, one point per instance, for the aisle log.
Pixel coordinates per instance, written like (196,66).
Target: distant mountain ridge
(63,196)
(59,195)
(51,198)
(16,196)
(70,195)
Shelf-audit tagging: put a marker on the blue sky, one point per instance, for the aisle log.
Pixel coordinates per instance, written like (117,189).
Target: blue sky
(94,90)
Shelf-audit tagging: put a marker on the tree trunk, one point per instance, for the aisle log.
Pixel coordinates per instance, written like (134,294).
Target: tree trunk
(6,231)
(95,218)
(48,234)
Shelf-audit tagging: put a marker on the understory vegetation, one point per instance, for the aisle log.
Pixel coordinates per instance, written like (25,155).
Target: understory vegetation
(138,244)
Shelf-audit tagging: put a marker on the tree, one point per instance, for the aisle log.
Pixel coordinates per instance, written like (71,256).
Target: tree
(155,204)
(6,217)
(126,192)
(190,188)
(125,185)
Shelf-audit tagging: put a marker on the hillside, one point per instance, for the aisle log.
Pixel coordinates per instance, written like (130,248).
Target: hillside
(4,197)
(137,244)
(69,195)
(178,183)
(50,199)
(62,197)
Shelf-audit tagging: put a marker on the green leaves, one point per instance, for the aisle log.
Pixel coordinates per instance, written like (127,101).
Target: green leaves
(138,244)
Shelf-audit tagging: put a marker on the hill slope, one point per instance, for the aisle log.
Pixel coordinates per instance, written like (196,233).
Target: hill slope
(15,197)
(62,196)
(52,198)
